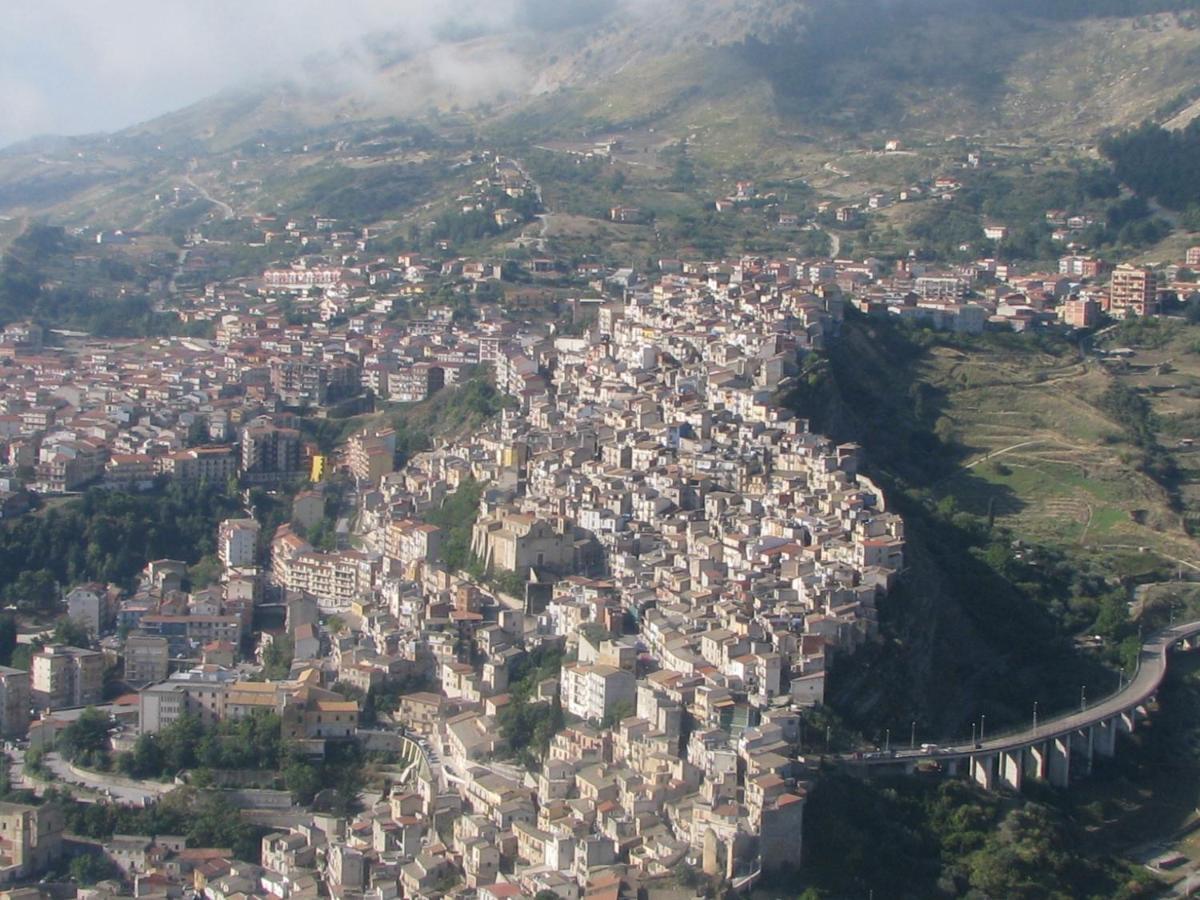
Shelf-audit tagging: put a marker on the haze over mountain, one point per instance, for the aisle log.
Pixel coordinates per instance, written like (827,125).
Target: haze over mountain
(859,62)
(751,85)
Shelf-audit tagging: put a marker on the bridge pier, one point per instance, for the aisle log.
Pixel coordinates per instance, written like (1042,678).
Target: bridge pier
(1083,747)
(1012,769)
(1059,769)
(1126,721)
(983,771)
(1105,735)
(1039,757)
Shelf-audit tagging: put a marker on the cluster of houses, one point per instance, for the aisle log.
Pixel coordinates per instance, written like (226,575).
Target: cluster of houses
(648,513)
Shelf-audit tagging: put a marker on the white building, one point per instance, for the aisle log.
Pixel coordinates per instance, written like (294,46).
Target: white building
(591,692)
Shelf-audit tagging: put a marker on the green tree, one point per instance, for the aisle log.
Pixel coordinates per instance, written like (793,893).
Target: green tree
(71,633)
(88,868)
(86,739)
(8,638)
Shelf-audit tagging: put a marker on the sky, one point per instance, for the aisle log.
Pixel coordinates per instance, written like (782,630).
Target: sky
(74,67)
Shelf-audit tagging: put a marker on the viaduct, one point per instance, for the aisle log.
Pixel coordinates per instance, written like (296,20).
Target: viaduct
(1048,750)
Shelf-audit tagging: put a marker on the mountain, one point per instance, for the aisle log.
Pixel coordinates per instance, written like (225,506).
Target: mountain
(754,86)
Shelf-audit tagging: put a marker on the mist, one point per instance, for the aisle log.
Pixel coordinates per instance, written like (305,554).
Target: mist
(70,68)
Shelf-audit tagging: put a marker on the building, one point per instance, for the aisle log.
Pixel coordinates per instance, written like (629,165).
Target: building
(307,712)
(30,839)
(516,542)
(1079,312)
(1081,266)
(66,676)
(237,542)
(1193,256)
(1133,291)
(147,659)
(86,605)
(214,465)
(334,579)
(415,383)
(14,701)
(406,541)
(308,509)
(592,692)
(270,453)
(372,455)
(185,634)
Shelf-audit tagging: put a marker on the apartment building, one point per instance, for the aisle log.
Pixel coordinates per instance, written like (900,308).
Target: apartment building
(372,455)
(334,579)
(147,658)
(1133,291)
(591,692)
(269,452)
(66,676)
(237,542)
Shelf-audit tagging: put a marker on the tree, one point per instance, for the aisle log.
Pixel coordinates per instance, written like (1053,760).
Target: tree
(72,633)
(146,758)
(8,638)
(34,590)
(622,709)
(88,868)
(86,739)
(277,658)
(301,777)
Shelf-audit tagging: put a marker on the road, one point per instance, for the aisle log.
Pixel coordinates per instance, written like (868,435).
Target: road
(1000,452)
(226,209)
(1144,685)
(146,792)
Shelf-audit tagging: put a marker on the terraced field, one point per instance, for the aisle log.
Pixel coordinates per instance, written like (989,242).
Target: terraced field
(1045,460)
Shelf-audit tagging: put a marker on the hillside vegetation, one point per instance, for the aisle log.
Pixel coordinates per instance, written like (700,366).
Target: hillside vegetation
(982,443)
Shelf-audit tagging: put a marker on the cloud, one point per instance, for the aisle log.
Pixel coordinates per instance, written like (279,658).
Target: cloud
(68,67)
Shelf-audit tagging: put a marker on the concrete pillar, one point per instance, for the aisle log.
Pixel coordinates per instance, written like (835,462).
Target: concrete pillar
(983,770)
(1106,737)
(952,766)
(1039,759)
(1059,769)
(1082,746)
(1126,721)
(1012,769)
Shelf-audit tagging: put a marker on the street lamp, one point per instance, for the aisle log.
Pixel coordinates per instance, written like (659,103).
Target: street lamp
(913,739)
(1035,715)
(982,719)
(972,735)
(887,740)
(1082,697)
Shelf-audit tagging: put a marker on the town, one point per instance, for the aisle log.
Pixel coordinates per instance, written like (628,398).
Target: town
(585,634)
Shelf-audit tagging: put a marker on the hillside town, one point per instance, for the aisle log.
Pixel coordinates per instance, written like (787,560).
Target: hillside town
(657,563)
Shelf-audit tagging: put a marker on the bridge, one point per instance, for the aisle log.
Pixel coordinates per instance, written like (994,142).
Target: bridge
(1047,750)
